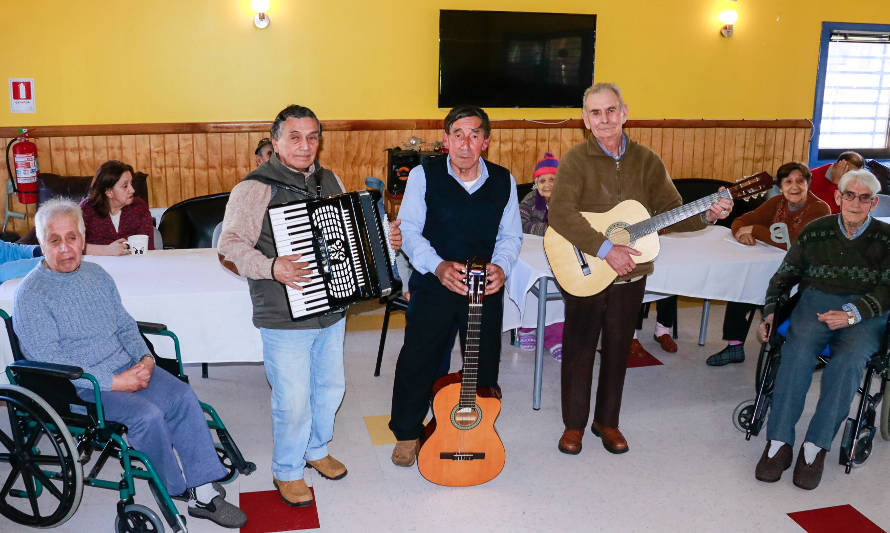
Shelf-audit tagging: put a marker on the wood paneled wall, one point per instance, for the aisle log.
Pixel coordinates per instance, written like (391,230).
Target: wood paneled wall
(187,160)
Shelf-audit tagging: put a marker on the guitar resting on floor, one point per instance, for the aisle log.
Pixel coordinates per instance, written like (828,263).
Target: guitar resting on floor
(464,448)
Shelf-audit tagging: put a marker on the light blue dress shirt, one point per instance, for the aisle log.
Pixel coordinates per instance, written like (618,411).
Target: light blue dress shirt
(413,216)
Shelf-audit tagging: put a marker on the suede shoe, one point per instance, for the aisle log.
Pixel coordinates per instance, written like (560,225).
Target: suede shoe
(730,354)
(570,442)
(405,452)
(613,440)
(637,351)
(667,343)
(808,476)
(770,469)
(329,468)
(294,493)
(220,512)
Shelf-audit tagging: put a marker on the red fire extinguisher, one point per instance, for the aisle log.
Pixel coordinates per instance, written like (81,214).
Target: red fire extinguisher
(26,167)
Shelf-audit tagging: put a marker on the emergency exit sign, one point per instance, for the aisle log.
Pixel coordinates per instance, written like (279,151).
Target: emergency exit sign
(21,95)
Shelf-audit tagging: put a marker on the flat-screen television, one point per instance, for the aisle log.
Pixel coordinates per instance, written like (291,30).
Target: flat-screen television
(511,59)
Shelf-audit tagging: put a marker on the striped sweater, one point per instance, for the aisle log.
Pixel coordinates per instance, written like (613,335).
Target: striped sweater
(823,258)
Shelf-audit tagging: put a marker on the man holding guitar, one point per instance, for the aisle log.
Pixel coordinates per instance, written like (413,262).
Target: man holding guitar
(595,176)
(455,208)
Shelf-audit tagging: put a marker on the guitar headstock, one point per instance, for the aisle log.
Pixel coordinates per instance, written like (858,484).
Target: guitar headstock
(475,280)
(751,186)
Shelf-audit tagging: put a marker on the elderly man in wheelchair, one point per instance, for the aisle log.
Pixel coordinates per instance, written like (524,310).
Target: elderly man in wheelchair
(69,312)
(841,264)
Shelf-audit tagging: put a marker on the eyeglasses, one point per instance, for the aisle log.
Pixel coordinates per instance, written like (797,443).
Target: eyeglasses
(863,198)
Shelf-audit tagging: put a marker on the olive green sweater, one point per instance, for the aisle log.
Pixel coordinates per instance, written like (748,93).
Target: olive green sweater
(590,180)
(824,258)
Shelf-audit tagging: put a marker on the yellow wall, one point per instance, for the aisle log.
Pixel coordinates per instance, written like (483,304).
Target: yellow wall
(113,61)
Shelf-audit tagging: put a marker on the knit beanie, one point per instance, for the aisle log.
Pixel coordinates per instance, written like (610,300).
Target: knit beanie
(547,165)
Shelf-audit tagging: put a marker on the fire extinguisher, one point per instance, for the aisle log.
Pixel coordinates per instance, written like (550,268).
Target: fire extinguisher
(24,182)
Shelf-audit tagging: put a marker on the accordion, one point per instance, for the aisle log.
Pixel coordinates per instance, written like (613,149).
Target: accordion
(345,239)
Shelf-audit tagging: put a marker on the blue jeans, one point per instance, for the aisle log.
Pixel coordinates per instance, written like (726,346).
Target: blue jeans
(305,370)
(162,417)
(851,349)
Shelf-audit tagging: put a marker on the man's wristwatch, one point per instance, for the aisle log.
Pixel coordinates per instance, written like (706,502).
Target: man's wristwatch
(851,318)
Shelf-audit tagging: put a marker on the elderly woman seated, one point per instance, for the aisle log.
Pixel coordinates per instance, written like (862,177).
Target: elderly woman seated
(112,212)
(69,312)
(840,263)
(793,209)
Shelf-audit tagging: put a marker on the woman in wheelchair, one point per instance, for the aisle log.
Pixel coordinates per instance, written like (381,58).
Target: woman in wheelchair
(795,207)
(840,264)
(69,312)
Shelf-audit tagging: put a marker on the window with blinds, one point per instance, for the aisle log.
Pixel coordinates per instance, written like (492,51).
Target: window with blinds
(855,110)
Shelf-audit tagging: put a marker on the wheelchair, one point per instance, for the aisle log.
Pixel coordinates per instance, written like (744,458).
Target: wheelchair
(51,433)
(859,432)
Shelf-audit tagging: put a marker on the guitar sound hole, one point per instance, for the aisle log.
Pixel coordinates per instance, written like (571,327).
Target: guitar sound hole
(465,417)
(618,234)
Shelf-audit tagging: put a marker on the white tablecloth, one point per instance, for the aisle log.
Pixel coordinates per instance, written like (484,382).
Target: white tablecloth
(205,305)
(706,264)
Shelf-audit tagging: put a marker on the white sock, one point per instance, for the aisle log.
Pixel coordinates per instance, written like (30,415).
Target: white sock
(205,493)
(810,451)
(774,446)
(661,330)
(635,334)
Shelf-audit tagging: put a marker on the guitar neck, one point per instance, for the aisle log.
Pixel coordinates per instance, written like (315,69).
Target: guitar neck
(668,218)
(471,357)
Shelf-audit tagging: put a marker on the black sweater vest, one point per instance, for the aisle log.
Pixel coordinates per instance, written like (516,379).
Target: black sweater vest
(460,225)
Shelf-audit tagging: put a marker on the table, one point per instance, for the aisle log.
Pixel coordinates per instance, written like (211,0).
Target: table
(708,264)
(205,305)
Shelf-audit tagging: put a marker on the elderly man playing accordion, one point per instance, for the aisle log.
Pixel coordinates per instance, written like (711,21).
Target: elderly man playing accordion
(842,265)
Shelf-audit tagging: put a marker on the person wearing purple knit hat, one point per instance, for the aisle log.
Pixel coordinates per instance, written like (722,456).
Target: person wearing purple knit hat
(533,210)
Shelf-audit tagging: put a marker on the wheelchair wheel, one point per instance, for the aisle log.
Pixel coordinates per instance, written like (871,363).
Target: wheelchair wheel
(885,411)
(138,519)
(42,478)
(864,440)
(743,415)
(228,464)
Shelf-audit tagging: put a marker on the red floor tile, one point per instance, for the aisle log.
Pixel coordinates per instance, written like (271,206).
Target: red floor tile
(634,361)
(839,519)
(267,513)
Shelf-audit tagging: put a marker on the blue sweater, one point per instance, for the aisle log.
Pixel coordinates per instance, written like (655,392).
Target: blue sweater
(16,260)
(77,319)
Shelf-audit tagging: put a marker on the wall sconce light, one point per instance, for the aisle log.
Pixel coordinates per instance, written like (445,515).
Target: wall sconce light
(728,18)
(261,20)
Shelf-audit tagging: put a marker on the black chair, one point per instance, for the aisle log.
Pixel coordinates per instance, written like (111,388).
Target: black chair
(394,302)
(522,189)
(692,189)
(190,223)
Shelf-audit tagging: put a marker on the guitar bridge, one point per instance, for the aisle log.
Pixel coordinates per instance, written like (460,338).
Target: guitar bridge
(462,456)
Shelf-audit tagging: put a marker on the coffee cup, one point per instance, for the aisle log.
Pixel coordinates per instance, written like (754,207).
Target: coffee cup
(138,244)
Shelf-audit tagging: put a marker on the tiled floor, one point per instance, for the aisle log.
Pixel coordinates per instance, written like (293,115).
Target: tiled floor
(688,468)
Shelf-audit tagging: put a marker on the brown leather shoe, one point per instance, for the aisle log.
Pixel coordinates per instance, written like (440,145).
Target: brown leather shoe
(613,440)
(808,476)
(667,343)
(294,493)
(570,442)
(769,469)
(637,351)
(329,468)
(405,452)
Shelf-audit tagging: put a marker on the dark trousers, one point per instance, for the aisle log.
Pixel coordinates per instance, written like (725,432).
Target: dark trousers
(611,313)
(735,321)
(666,312)
(432,313)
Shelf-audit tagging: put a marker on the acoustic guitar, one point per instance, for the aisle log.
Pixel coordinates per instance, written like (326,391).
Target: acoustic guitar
(629,223)
(464,449)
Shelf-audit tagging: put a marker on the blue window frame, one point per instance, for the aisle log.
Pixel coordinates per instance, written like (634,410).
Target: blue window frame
(852,101)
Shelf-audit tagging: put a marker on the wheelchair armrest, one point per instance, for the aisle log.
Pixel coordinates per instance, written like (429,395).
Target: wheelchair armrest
(50,369)
(151,327)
